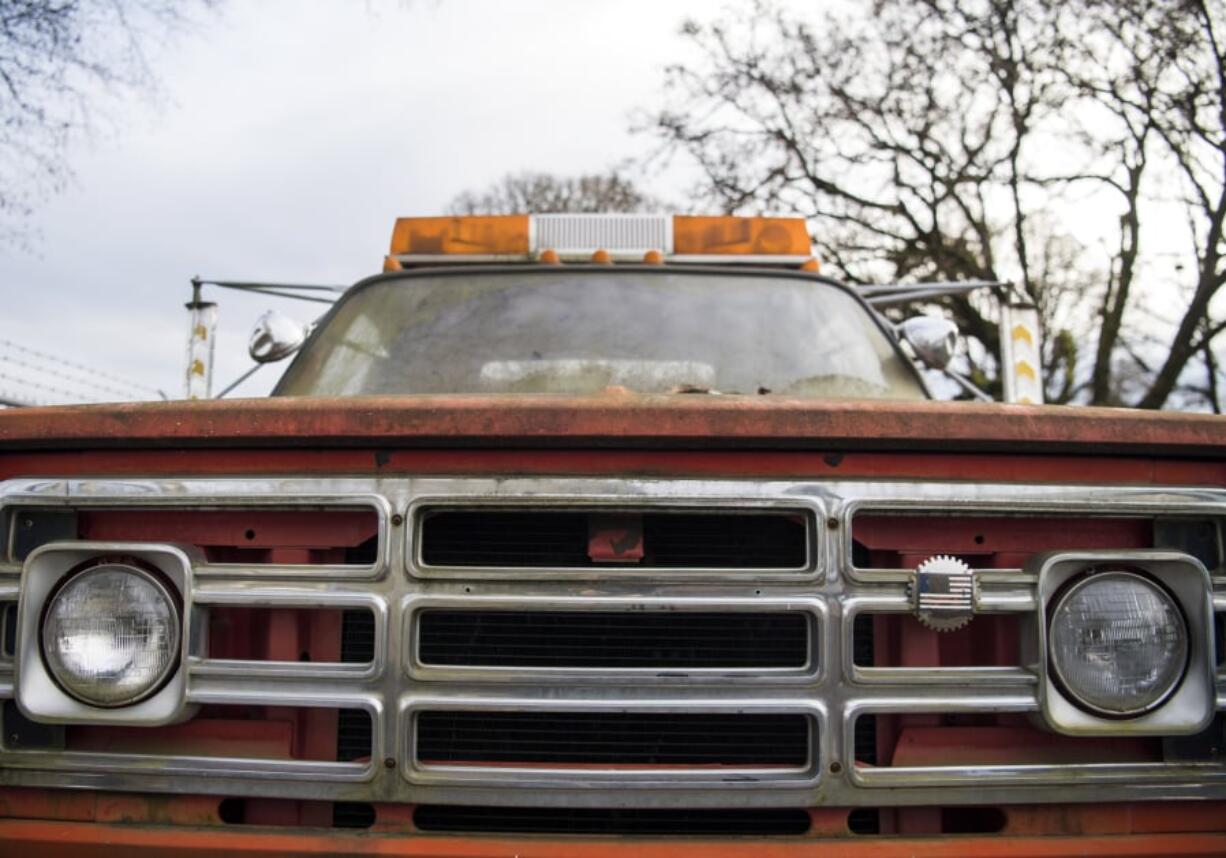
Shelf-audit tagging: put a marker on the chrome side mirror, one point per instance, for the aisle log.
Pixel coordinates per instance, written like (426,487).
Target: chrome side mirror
(933,339)
(276,337)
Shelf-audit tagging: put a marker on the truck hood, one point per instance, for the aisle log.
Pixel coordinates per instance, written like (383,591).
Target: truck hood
(618,420)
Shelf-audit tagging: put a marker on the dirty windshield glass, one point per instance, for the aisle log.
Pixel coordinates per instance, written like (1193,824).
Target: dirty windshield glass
(578,332)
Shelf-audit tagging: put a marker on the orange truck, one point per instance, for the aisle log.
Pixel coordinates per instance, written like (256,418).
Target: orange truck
(610,536)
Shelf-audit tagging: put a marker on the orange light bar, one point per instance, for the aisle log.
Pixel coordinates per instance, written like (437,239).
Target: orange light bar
(740,236)
(602,239)
(469,235)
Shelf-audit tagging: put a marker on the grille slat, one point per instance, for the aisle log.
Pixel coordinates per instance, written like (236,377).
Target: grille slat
(678,739)
(560,539)
(613,639)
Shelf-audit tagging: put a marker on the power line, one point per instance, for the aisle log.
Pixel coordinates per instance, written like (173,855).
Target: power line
(77,380)
(73,395)
(65,362)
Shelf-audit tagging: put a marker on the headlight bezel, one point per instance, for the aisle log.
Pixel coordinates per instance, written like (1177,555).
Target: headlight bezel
(39,696)
(147,574)
(1190,706)
(1096,575)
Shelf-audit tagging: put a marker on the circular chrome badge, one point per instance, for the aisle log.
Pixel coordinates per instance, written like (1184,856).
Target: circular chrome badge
(942,591)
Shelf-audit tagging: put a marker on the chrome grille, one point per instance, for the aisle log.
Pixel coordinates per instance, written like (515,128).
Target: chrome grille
(834,693)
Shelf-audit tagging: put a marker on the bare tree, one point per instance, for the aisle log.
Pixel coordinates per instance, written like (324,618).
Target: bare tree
(1191,120)
(946,139)
(59,59)
(545,192)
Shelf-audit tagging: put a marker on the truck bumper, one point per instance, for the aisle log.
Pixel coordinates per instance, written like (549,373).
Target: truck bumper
(86,840)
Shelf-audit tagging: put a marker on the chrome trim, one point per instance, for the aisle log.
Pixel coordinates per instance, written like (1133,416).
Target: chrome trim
(42,697)
(988,499)
(721,777)
(835,690)
(635,495)
(814,609)
(250,594)
(213,494)
(986,677)
(987,776)
(1189,709)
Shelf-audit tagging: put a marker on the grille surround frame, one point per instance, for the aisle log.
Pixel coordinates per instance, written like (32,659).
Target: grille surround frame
(841,690)
(611,503)
(584,776)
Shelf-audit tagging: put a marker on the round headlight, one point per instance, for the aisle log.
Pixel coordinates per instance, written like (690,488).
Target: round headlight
(111,635)
(1118,643)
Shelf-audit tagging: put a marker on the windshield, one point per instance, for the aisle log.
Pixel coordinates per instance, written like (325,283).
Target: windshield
(577,331)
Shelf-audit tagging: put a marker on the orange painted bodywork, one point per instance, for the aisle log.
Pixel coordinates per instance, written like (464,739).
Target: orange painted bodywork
(619,420)
(80,840)
(622,435)
(51,823)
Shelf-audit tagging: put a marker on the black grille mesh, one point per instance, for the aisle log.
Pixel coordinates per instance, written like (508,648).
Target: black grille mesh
(619,738)
(353,727)
(723,821)
(558,539)
(1219,638)
(462,538)
(357,636)
(863,650)
(724,541)
(353,735)
(613,639)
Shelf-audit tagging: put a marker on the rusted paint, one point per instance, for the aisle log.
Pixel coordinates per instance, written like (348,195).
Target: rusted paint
(622,463)
(615,538)
(83,840)
(901,542)
(1156,817)
(988,746)
(158,810)
(623,420)
(199,816)
(207,737)
(251,528)
(65,805)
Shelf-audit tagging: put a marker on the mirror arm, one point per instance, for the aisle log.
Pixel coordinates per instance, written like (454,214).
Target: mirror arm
(968,385)
(246,375)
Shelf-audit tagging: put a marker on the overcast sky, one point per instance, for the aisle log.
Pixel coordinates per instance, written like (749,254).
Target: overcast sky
(287,139)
